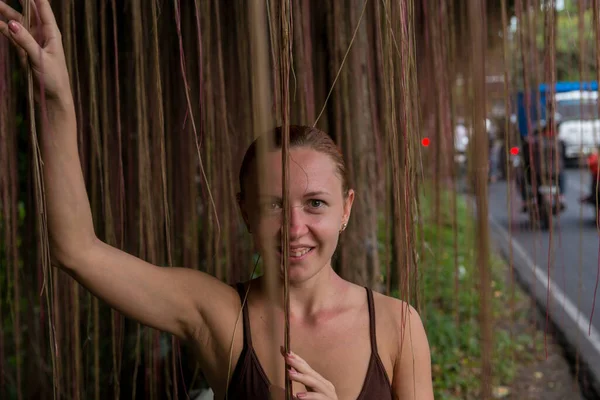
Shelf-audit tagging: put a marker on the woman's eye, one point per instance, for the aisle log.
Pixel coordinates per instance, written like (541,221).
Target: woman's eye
(316,203)
(274,206)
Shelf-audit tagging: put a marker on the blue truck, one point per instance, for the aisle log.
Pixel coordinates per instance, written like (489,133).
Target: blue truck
(576,114)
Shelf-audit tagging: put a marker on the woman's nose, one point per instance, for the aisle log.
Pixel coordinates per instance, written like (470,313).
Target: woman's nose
(297,222)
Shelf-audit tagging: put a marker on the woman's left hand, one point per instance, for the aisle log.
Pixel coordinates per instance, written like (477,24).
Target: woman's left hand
(318,388)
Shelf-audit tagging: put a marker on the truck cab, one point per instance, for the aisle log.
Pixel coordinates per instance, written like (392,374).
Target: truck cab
(576,115)
(579,128)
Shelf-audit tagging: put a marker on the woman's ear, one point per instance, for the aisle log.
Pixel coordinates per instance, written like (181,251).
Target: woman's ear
(348,201)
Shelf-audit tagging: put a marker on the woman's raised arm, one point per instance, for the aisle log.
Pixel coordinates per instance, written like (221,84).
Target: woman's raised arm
(169,299)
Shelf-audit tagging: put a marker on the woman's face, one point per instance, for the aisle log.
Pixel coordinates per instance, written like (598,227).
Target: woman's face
(318,211)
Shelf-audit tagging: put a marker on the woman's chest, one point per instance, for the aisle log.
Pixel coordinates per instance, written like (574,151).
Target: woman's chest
(339,352)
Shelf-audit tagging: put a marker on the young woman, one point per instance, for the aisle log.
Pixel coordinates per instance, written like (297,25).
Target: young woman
(349,343)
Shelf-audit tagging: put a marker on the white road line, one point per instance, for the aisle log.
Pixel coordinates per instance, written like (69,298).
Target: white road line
(582,324)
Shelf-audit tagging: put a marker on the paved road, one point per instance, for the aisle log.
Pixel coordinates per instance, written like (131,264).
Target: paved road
(574,249)
(559,267)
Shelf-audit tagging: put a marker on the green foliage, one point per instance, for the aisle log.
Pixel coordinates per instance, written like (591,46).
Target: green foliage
(570,6)
(568,54)
(451,316)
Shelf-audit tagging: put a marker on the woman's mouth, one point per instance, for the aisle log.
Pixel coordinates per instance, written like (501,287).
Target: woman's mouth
(297,254)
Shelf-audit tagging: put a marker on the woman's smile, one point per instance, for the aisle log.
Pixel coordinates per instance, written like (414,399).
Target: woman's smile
(297,254)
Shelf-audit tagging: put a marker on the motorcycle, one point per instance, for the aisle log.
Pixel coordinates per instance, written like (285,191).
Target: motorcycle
(541,204)
(544,204)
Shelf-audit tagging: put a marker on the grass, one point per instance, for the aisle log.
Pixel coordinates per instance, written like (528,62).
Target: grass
(451,316)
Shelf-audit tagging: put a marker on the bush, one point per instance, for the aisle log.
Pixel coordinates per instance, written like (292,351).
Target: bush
(450,314)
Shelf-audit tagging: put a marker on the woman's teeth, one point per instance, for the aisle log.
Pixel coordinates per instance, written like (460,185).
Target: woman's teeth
(299,253)
(296,253)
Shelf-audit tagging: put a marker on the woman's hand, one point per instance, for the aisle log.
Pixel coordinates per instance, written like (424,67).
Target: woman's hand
(42,45)
(318,387)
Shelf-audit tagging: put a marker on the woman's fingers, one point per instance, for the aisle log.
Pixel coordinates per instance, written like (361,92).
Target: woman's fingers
(42,25)
(301,366)
(31,4)
(301,372)
(46,14)
(17,34)
(8,13)
(22,54)
(28,42)
(311,382)
(25,41)
(36,15)
(311,396)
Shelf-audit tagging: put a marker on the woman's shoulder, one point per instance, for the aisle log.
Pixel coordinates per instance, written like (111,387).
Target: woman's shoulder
(404,332)
(394,307)
(388,308)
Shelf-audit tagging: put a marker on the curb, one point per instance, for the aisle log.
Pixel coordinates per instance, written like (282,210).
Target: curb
(563,313)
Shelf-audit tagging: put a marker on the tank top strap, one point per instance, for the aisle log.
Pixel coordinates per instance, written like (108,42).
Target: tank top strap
(372,332)
(245,318)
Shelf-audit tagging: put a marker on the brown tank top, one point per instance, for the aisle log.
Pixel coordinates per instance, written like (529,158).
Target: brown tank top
(249,381)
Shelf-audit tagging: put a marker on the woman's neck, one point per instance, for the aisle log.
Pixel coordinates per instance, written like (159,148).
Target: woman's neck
(309,297)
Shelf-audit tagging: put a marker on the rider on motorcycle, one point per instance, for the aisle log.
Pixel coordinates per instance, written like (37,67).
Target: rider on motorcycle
(543,137)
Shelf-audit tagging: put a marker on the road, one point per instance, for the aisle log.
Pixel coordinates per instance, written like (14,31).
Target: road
(572,247)
(575,241)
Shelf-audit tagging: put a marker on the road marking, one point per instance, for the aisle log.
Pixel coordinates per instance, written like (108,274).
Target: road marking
(559,297)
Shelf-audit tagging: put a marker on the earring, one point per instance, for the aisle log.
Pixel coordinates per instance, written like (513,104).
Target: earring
(344,225)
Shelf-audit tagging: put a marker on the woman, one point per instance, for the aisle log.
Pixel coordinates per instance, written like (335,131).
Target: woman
(382,358)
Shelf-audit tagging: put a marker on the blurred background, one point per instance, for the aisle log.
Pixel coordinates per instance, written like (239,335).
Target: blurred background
(471,133)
